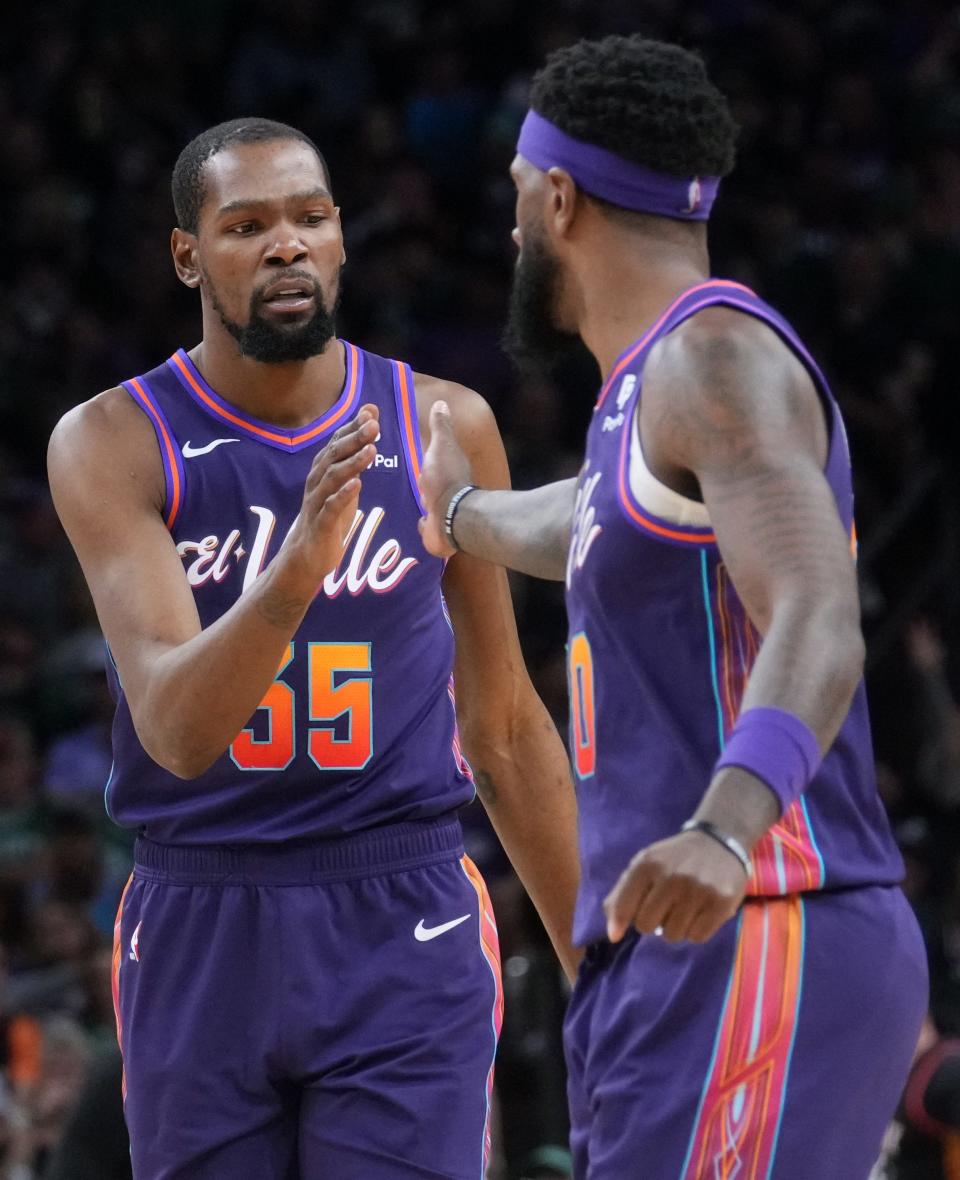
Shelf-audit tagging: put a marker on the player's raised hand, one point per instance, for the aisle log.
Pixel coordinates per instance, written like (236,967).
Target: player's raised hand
(445,470)
(331,492)
(684,887)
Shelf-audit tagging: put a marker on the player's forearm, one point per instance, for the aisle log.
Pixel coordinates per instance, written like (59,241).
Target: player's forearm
(809,665)
(525,531)
(523,779)
(201,693)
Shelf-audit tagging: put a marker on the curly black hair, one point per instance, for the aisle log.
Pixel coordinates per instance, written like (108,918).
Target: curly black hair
(648,101)
(187,183)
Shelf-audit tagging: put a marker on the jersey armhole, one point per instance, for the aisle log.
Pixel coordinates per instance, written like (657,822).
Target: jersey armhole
(651,494)
(740,300)
(173,475)
(687,534)
(838,448)
(403,388)
(779,326)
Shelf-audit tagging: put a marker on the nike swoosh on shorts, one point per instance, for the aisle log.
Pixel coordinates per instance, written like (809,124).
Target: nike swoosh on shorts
(425,933)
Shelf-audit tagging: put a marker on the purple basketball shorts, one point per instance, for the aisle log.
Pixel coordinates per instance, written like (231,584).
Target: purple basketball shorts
(321,1010)
(775,1051)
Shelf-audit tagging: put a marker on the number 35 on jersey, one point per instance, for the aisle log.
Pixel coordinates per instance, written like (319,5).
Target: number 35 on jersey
(332,694)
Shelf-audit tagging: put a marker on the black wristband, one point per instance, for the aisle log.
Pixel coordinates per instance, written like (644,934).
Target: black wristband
(451,511)
(731,844)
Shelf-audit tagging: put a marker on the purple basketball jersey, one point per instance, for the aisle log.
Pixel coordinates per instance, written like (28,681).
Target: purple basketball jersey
(358,729)
(660,649)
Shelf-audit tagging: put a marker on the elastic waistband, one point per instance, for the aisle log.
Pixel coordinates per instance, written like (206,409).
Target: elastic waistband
(314,862)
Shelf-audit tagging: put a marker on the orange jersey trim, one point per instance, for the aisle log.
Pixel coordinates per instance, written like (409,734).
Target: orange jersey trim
(273,436)
(490,947)
(176,494)
(651,331)
(410,432)
(647,523)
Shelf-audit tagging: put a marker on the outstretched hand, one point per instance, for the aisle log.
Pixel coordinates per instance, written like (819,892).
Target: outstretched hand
(332,491)
(445,470)
(685,887)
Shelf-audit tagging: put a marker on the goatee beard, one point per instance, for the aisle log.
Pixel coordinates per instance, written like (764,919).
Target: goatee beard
(278,344)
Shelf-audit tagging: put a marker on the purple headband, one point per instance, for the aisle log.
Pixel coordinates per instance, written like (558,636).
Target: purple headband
(603,174)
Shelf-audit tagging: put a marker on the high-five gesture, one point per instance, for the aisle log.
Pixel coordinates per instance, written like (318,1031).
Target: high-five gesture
(331,493)
(527,531)
(445,470)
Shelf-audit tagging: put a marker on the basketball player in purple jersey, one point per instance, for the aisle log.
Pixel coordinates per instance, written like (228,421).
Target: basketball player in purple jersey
(754,980)
(306,970)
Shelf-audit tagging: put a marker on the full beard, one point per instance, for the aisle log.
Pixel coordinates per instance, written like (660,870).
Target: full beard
(272,343)
(531,338)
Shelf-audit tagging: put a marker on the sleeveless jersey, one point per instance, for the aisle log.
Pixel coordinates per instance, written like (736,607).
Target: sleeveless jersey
(660,649)
(358,729)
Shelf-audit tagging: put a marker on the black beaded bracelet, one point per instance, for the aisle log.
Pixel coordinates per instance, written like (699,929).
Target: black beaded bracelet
(451,511)
(731,844)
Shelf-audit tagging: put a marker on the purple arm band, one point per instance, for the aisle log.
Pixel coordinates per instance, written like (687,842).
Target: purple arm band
(607,175)
(777,747)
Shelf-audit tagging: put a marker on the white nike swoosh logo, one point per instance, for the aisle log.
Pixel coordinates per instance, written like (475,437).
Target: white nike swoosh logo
(190,452)
(425,933)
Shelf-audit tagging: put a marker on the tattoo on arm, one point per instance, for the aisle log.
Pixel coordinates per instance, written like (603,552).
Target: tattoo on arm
(485,787)
(281,610)
(738,417)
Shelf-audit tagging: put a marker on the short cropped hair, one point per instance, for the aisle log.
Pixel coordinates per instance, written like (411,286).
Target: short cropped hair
(648,101)
(187,184)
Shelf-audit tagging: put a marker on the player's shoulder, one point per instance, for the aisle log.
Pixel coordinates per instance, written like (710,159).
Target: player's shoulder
(470,412)
(725,366)
(106,433)
(461,399)
(726,374)
(110,416)
(718,336)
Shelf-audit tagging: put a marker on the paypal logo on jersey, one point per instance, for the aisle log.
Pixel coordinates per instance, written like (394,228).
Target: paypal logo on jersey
(615,421)
(362,566)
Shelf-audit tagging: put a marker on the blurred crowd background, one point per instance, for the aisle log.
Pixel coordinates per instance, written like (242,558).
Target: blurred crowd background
(844,212)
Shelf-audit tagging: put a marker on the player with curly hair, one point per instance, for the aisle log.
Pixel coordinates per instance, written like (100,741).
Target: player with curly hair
(754,978)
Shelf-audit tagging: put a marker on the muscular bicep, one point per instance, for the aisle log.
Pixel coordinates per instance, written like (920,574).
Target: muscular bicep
(107,484)
(730,411)
(781,537)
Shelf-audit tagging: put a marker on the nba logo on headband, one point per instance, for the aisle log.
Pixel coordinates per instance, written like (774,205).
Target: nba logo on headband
(604,174)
